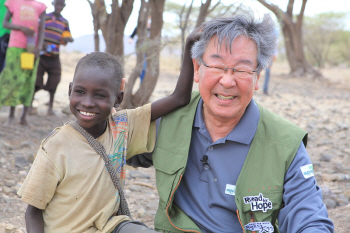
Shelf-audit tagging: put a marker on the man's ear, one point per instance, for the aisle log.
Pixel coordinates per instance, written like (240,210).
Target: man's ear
(196,70)
(70,89)
(257,82)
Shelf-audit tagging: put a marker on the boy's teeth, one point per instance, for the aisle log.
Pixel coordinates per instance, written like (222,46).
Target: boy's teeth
(87,113)
(224,97)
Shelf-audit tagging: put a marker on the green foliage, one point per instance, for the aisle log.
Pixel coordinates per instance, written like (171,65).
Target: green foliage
(326,40)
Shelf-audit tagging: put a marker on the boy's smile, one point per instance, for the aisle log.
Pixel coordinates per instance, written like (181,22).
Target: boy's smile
(92,96)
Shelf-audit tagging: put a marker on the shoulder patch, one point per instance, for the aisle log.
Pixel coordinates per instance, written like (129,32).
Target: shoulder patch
(307,170)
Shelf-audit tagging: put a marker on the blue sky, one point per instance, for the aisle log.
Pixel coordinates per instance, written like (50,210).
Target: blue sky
(78,12)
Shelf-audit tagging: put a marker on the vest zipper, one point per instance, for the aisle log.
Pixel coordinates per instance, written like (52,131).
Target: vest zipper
(251,219)
(166,210)
(239,219)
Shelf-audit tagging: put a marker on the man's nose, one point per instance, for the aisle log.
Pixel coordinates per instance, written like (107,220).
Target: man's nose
(228,79)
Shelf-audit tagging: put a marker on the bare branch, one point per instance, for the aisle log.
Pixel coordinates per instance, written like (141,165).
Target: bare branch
(290,7)
(301,14)
(213,8)
(90,3)
(278,12)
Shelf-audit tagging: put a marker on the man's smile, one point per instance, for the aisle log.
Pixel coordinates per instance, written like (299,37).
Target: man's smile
(224,97)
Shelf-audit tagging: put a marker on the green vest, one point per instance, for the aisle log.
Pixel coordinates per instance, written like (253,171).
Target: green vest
(259,187)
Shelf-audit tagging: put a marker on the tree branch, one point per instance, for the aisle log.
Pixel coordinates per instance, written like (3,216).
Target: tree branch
(301,14)
(213,8)
(290,8)
(278,12)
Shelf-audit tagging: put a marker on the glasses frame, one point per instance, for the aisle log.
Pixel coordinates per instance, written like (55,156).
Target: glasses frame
(226,68)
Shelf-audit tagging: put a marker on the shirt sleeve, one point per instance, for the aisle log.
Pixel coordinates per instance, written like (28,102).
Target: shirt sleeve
(303,209)
(42,9)
(141,131)
(145,159)
(41,182)
(10,4)
(67,26)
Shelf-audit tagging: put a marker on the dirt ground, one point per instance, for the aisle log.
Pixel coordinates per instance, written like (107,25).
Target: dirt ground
(321,107)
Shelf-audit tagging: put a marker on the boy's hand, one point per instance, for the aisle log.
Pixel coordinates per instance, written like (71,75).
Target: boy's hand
(27,31)
(65,40)
(194,35)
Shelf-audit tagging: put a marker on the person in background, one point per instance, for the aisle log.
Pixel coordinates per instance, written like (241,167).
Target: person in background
(17,84)
(229,164)
(131,38)
(4,35)
(267,76)
(56,32)
(268,71)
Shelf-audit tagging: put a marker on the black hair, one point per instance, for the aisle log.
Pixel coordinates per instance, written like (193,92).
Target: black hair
(105,61)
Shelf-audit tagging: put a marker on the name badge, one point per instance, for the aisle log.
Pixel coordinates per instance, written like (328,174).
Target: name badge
(307,170)
(258,203)
(230,189)
(261,227)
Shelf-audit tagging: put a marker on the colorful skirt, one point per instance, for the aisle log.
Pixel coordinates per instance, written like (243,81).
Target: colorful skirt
(16,84)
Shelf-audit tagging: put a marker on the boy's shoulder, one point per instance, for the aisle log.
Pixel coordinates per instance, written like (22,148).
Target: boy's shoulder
(61,18)
(125,115)
(58,136)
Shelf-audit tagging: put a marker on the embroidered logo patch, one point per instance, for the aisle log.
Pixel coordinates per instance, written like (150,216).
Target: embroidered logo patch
(230,189)
(307,170)
(261,227)
(258,203)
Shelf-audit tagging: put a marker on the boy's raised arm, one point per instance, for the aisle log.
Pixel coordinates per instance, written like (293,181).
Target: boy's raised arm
(182,93)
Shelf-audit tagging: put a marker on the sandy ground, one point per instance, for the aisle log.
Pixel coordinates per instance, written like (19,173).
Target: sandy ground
(321,107)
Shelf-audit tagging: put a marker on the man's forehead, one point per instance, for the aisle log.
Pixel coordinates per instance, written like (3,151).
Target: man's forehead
(226,42)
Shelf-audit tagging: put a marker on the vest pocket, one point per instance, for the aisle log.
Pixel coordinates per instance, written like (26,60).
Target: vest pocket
(264,206)
(169,168)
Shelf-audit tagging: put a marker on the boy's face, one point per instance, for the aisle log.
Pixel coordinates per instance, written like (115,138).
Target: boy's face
(59,5)
(92,97)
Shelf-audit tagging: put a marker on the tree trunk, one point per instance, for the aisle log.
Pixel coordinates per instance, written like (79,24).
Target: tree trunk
(146,89)
(293,38)
(116,25)
(99,15)
(141,47)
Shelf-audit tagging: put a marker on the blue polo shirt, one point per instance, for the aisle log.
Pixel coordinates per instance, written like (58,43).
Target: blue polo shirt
(202,192)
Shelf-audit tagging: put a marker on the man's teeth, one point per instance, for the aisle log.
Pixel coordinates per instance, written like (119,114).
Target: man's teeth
(87,113)
(224,97)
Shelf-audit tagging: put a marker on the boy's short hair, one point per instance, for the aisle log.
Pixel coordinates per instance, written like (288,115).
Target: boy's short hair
(54,1)
(105,61)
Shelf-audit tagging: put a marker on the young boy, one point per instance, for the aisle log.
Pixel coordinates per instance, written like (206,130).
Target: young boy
(68,188)
(56,32)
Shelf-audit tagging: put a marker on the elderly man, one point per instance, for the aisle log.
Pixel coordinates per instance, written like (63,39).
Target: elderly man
(224,163)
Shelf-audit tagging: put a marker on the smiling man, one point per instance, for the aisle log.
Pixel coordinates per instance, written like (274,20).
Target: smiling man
(224,163)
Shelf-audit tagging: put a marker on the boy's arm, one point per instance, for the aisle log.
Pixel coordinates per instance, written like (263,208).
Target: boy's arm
(7,24)
(34,220)
(182,93)
(41,33)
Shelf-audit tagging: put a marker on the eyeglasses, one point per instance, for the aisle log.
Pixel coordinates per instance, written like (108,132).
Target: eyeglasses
(241,72)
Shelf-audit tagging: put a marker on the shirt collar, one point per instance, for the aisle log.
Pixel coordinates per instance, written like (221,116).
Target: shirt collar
(57,18)
(243,132)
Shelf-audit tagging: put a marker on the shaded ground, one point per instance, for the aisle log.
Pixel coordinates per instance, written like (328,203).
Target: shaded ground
(320,107)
